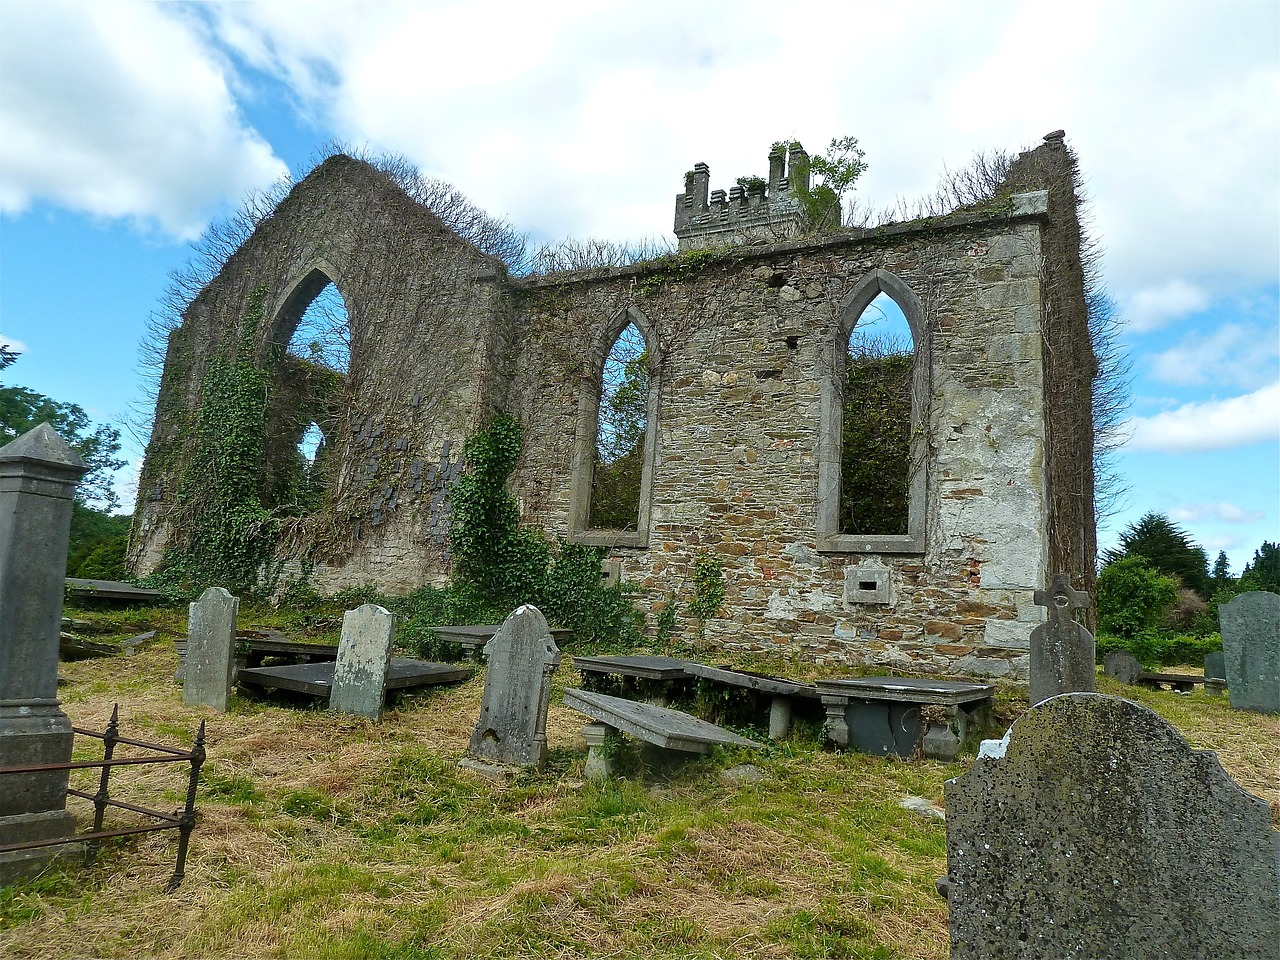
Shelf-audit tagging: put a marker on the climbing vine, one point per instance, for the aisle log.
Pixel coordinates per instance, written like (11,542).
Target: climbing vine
(708,590)
(223,534)
(498,565)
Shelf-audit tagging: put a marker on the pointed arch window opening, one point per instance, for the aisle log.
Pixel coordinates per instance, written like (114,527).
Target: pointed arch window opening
(616,442)
(622,422)
(323,333)
(306,395)
(876,422)
(873,430)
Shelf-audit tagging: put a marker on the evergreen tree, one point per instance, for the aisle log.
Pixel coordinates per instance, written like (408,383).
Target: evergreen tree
(1263,571)
(1167,549)
(1221,571)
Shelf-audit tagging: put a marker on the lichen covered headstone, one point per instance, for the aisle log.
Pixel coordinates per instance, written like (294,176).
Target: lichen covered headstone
(211,650)
(1251,650)
(1062,650)
(364,653)
(512,730)
(1092,830)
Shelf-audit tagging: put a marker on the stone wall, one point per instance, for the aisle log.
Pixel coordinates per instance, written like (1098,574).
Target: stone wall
(745,344)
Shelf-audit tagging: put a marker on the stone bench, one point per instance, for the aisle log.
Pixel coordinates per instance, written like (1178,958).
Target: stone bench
(900,715)
(782,692)
(661,727)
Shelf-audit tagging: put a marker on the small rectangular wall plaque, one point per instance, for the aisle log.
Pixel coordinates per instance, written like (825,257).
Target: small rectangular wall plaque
(867,585)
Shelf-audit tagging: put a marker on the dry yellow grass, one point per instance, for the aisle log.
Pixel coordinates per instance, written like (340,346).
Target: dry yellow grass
(330,836)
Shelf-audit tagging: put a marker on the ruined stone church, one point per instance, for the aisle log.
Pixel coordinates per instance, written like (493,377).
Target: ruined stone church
(744,337)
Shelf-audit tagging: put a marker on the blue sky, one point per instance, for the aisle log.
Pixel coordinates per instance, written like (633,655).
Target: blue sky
(125,128)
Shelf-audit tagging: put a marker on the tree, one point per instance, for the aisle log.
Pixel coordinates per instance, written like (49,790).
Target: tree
(875,443)
(1167,549)
(98,540)
(22,409)
(1221,571)
(821,204)
(1263,571)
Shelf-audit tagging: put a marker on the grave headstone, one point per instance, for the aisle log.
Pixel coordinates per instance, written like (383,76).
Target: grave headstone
(38,475)
(1062,650)
(1251,650)
(364,654)
(512,731)
(209,670)
(1093,830)
(1123,666)
(1215,674)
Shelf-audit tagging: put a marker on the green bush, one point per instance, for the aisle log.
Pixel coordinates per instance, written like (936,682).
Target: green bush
(1160,648)
(1133,598)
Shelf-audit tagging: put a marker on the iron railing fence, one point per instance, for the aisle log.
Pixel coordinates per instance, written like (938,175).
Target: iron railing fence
(183,820)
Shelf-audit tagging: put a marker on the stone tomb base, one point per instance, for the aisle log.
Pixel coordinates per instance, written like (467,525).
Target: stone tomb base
(901,715)
(33,805)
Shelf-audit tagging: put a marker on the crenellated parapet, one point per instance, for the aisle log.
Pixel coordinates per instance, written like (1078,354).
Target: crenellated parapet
(762,210)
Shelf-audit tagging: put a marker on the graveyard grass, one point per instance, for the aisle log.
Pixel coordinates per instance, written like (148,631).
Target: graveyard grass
(325,836)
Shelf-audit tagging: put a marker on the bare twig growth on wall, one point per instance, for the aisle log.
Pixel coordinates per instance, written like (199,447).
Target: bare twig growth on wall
(573,254)
(1111,380)
(981,181)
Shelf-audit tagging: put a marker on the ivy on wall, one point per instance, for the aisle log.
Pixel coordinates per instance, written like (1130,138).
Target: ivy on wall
(498,565)
(224,535)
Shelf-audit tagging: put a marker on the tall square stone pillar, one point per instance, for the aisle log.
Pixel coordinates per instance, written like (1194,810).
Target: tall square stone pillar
(38,476)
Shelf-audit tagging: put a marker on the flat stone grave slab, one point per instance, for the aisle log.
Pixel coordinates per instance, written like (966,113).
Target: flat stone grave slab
(777,686)
(781,690)
(316,679)
(639,677)
(884,715)
(264,644)
(77,648)
(660,726)
(82,589)
(473,638)
(1124,666)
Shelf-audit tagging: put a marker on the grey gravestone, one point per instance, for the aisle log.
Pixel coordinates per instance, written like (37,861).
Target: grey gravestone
(364,654)
(211,647)
(1251,649)
(1123,666)
(1092,830)
(38,474)
(512,730)
(1062,651)
(1215,674)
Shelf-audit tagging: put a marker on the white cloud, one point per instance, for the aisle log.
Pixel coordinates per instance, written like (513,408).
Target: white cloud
(118,110)
(1154,307)
(1240,356)
(1212,425)
(1221,511)
(571,121)
(13,343)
